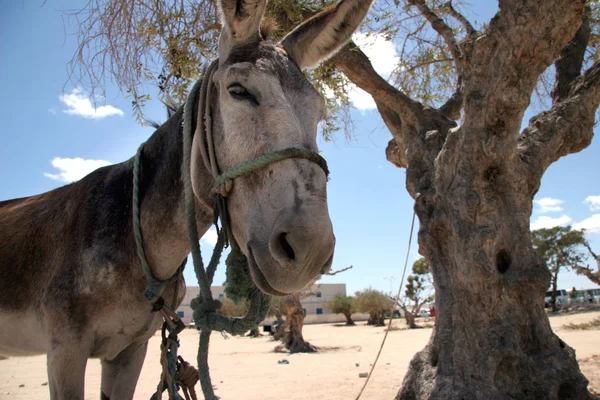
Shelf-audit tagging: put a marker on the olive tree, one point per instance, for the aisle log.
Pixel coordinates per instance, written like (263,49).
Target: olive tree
(561,248)
(346,305)
(375,303)
(417,291)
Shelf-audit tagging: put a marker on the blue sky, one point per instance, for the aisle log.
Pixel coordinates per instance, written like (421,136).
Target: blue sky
(51,134)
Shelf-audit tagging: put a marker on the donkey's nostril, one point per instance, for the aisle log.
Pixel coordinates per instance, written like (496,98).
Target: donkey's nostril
(286,247)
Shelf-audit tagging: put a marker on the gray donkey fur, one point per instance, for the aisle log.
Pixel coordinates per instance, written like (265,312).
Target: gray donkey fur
(71,283)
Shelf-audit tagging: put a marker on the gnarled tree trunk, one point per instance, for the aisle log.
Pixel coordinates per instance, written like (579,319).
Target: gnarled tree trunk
(254,333)
(349,321)
(376,319)
(293,339)
(280,328)
(410,319)
(473,187)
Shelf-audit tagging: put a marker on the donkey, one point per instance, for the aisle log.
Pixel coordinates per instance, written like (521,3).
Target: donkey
(71,283)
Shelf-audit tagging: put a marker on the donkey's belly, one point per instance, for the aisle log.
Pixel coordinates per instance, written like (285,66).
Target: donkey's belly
(21,334)
(115,333)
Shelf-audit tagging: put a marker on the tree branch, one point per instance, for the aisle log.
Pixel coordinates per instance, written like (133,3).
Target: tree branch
(471,32)
(358,68)
(588,273)
(440,27)
(566,128)
(338,271)
(451,108)
(594,255)
(568,66)
(522,40)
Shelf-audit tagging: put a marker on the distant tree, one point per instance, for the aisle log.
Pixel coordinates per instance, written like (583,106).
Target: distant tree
(341,304)
(374,302)
(418,291)
(290,331)
(574,293)
(560,247)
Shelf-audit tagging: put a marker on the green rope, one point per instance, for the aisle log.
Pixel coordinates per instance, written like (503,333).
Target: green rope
(263,161)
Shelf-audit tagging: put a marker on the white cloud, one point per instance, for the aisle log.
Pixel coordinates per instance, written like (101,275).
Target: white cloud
(380,51)
(544,221)
(591,224)
(79,104)
(73,169)
(593,202)
(360,99)
(210,237)
(548,204)
(52,111)
(384,59)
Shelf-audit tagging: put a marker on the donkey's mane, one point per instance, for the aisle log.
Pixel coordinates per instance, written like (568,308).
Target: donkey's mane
(171,106)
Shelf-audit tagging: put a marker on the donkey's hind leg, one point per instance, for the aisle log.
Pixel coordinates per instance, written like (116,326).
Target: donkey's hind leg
(120,375)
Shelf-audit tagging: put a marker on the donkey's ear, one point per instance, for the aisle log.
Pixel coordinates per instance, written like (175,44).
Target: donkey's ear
(241,23)
(322,35)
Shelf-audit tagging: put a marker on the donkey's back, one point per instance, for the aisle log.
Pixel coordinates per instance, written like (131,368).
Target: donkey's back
(64,255)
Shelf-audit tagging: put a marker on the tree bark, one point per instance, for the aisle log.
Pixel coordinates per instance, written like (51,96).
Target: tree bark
(554,282)
(473,187)
(280,328)
(254,333)
(349,321)
(376,319)
(410,320)
(293,339)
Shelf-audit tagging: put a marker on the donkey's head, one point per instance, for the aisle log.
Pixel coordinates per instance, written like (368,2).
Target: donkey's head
(262,102)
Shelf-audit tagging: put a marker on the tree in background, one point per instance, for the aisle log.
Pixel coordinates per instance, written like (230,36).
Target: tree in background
(290,330)
(454,106)
(375,303)
(418,291)
(341,304)
(560,247)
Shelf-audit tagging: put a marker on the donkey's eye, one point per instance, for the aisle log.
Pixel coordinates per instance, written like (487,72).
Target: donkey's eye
(239,92)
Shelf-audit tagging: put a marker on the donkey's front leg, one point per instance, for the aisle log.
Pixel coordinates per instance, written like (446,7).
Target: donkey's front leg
(120,375)
(67,360)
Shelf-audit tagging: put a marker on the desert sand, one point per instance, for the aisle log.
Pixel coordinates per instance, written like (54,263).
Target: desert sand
(248,369)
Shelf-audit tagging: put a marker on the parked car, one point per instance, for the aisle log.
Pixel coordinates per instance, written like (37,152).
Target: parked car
(423,313)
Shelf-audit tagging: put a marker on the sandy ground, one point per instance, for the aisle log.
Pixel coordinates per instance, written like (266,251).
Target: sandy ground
(247,369)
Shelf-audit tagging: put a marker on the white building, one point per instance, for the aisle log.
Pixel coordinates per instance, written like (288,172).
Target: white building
(315,305)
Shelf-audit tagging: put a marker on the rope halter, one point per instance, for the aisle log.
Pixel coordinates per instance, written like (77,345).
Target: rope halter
(224,181)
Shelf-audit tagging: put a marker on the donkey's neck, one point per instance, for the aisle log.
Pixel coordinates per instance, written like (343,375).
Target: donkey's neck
(162,209)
